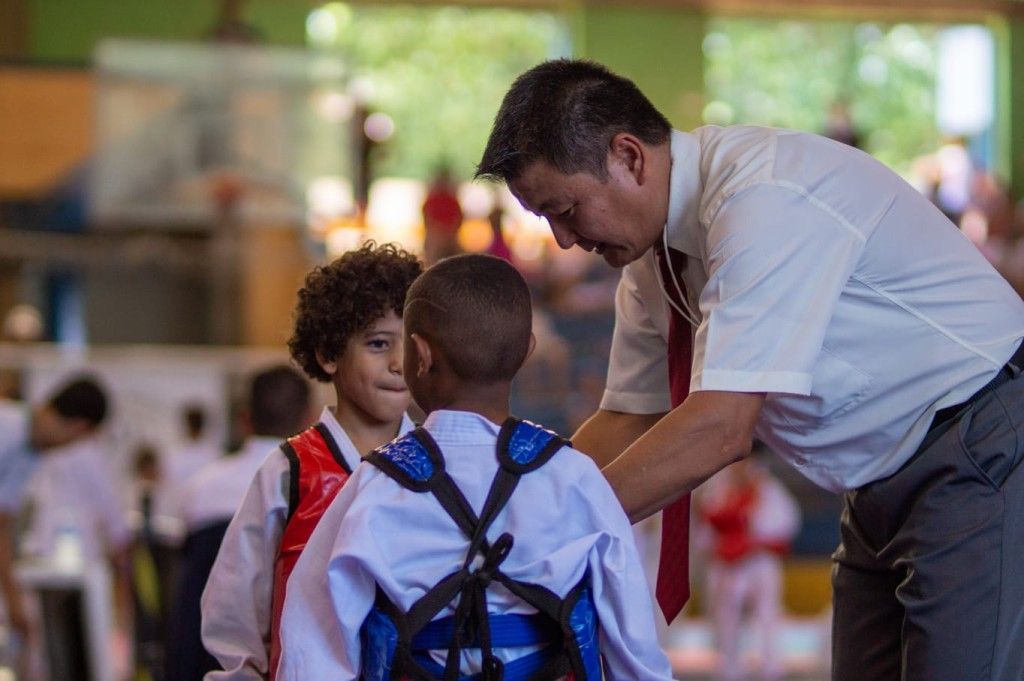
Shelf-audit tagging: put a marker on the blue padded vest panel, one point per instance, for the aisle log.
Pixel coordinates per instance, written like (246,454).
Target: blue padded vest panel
(379,638)
(409,455)
(527,441)
(583,623)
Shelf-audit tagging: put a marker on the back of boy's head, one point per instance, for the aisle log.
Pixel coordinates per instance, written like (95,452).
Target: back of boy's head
(344,297)
(476,309)
(278,402)
(80,398)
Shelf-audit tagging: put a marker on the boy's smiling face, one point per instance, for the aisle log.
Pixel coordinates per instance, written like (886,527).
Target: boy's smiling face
(367,376)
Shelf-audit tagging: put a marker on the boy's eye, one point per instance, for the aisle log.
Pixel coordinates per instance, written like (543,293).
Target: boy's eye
(378,344)
(567,213)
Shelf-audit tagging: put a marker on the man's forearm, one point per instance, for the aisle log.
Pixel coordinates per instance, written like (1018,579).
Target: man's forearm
(693,442)
(606,434)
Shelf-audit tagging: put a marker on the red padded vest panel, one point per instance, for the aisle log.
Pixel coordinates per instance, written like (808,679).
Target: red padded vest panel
(318,473)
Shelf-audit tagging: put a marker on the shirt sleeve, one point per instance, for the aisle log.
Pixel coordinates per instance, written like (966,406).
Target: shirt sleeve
(17,463)
(638,364)
(629,640)
(117,534)
(236,603)
(329,594)
(777,262)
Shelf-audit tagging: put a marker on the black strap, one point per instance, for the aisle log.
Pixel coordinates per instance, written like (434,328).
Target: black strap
(471,620)
(293,478)
(333,447)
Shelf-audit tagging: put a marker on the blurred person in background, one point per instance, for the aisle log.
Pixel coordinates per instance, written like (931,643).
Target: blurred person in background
(277,407)
(839,124)
(442,218)
(751,520)
(147,587)
(498,246)
(178,466)
(72,413)
(347,332)
(78,522)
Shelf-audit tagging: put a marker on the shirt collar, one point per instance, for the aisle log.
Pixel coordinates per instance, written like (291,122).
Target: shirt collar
(685,188)
(344,442)
(448,424)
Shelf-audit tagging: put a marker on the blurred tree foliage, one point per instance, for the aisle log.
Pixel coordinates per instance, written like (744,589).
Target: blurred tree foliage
(439,72)
(789,73)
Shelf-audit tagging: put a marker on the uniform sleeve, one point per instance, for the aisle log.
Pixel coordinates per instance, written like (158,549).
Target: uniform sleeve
(236,603)
(329,594)
(629,639)
(638,365)
(777,262)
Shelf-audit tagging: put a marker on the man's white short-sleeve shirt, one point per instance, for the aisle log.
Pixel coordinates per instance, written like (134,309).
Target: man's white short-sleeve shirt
(824,280)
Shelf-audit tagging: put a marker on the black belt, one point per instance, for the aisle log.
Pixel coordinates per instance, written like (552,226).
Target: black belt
(1012,367)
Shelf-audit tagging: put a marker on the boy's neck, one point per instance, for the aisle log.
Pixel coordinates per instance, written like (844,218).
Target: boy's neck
(488,400)
(366,434)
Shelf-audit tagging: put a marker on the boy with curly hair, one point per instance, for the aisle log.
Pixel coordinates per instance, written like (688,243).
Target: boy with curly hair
(348,332)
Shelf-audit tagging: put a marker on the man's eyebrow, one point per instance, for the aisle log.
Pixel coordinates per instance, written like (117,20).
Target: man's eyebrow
(545,207)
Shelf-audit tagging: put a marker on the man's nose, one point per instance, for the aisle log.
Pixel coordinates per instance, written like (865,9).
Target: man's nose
(564,237)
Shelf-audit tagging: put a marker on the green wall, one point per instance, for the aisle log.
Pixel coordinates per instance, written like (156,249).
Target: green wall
(1013,93)
(68,30)
(659,49)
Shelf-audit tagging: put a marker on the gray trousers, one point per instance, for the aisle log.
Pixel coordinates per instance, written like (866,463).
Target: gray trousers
(928,581)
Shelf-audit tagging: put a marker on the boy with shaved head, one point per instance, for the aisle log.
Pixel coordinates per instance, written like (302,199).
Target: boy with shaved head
(479,543)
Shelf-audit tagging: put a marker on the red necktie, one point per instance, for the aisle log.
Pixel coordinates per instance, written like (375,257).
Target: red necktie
(673,584)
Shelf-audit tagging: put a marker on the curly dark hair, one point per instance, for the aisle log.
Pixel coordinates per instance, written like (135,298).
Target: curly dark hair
(344,297)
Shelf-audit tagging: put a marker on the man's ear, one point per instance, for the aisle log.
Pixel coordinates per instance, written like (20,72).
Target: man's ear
(424,354)
(531,347)
(628,153)
(330,367)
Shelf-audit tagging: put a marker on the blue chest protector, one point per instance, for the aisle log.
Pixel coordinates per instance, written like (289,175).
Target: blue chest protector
(396,645)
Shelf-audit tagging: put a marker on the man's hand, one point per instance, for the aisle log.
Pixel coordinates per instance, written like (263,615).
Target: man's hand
(704,434)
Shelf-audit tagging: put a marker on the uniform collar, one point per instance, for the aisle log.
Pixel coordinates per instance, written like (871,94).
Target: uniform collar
(446,424)
(344,442)
(685,188)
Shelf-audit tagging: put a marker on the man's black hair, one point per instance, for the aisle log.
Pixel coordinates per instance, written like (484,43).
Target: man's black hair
(278,402)
(566,112)
(80,398)
(477,309)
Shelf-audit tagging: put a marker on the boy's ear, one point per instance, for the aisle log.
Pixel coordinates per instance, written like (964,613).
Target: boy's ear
(424,354)
(531,348)
(329,367)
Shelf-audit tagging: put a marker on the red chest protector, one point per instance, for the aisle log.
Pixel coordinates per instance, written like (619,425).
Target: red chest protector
(317,473)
